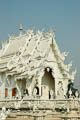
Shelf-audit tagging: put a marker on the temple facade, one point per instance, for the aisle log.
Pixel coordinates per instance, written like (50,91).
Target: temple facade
(31,65)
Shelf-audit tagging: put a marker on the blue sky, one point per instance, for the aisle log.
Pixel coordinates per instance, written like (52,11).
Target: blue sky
(63,15)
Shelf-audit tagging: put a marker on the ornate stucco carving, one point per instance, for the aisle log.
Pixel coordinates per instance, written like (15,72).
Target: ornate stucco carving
(38,52)
(68,67)
(73,74)
(64,54)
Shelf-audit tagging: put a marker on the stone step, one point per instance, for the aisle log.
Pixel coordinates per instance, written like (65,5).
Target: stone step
(19,119)
(31,119)
(53,119)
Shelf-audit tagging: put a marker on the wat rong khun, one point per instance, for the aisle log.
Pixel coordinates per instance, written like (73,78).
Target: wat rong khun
(35,84)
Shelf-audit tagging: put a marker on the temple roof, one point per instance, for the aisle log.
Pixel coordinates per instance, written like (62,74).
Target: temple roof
(13,46)
(27,52)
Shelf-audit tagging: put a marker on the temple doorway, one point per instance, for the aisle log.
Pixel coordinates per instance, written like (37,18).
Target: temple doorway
(6,92)
(14,90)
(37,90)
(48,84)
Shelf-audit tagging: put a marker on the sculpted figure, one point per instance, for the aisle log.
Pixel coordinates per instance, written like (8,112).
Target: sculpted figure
(60,90)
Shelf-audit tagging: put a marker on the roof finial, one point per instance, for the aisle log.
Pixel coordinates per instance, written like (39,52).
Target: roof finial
(52,35)
(21,28)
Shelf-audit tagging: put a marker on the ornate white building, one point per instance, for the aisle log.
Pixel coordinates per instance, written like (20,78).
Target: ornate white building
(31,64)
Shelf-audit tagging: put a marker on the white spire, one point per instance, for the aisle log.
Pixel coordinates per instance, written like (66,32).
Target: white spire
(52,35)
(21,28)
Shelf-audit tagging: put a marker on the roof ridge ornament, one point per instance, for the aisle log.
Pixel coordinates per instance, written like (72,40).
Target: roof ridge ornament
(39,33)
(64,54)
(30,32)
(73,74)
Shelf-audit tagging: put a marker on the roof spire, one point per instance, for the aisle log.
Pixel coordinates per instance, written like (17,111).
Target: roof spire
(21,28)
(52,35)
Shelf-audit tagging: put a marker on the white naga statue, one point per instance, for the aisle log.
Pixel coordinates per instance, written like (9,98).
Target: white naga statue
(4,113)
(35,92)
(51,94)
(70,93)
(76,94)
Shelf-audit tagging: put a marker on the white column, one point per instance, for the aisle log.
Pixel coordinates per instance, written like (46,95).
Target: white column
(10,93)
(40,87)
(18,86)
(3,91)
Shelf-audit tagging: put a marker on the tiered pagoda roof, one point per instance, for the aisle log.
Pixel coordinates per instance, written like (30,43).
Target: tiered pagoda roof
(27,54)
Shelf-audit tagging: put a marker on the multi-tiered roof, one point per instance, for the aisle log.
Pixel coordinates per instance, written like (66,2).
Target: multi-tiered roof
(27,54)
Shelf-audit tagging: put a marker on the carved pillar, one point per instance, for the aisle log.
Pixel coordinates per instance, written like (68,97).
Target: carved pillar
(55,82)
(10,87)
(3,91)
(40,82)
(39,87)
(10,92)
(18,86)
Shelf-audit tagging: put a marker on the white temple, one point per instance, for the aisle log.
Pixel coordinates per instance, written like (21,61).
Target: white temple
(31,64)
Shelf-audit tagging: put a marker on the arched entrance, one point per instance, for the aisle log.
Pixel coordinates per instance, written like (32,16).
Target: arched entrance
(48,84)
(36,91)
